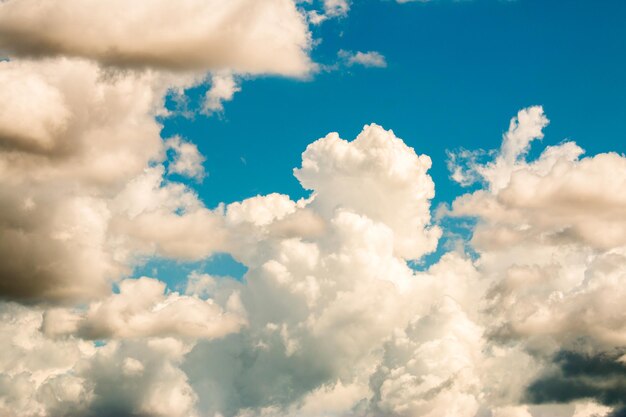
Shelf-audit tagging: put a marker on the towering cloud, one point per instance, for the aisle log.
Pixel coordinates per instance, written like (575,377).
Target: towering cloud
(551,242)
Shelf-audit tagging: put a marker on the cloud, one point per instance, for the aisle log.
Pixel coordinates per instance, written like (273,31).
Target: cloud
(187,159)
(142,309)
(329,317)
(398,188)
(88,135)
(331,9)
(578,375)
(366,59)
(223,88)
(552,249)
(244,36)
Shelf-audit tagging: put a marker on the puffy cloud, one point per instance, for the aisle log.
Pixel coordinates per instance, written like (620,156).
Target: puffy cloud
(379,176)
(141,309)
(187,159)
(32,365)
(329,318)
(223,88)
(72,140)
(523,129)
(322,303)
(366,59)
(244,36)
(66,376)
(430,369)
(28,127)
(552,249)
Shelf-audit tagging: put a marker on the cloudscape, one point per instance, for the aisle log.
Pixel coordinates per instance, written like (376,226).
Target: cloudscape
(312,208)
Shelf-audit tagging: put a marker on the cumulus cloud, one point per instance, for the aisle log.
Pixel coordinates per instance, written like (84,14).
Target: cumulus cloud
(142,309)
(398,189)
(329,317)
(243,36)
(72,140)
(552,247)
(66,376)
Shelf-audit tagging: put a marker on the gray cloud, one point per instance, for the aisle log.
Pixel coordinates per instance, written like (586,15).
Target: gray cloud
(600,376)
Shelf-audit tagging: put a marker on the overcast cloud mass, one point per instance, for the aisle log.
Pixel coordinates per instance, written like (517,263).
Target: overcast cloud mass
(337,314)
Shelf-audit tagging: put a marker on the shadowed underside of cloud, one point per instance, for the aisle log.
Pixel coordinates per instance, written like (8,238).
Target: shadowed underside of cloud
(239,35)
(601,377)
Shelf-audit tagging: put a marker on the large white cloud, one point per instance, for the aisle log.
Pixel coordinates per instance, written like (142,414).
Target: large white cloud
(244,36)
(379,176)
(552,247)
(141,309)
(329,318)
(42,376)
(72,138)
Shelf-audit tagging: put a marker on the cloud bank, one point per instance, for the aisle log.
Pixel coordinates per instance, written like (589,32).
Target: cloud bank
(330,318)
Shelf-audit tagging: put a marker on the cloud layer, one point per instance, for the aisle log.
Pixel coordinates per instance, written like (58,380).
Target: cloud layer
(332,318)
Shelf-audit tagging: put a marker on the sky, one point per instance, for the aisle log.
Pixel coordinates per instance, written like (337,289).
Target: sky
(322,208)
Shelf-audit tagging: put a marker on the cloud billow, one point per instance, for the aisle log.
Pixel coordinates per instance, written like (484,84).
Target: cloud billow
(329,318)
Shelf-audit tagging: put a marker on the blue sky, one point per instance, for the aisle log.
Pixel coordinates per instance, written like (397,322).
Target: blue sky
(456,72)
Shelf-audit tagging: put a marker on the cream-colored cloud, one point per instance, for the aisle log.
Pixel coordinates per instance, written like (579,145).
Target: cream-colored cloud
(143,309)
(223,88)
(430,369)
(88,134)
(243,36)
(43,376)
(379,176)
(23,126)
(551,245)
(187,160)
(329,317)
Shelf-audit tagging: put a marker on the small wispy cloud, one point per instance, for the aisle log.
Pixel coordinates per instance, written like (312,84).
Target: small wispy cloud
(366,59)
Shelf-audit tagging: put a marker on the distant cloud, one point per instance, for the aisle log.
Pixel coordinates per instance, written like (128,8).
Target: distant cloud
(366,59)
(331,9)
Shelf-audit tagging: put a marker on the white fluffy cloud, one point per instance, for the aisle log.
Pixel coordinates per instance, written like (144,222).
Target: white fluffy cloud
(329,318)
(142,309)
(70,138)
(552,248)
(379,176)
(43,376)
(187,160)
